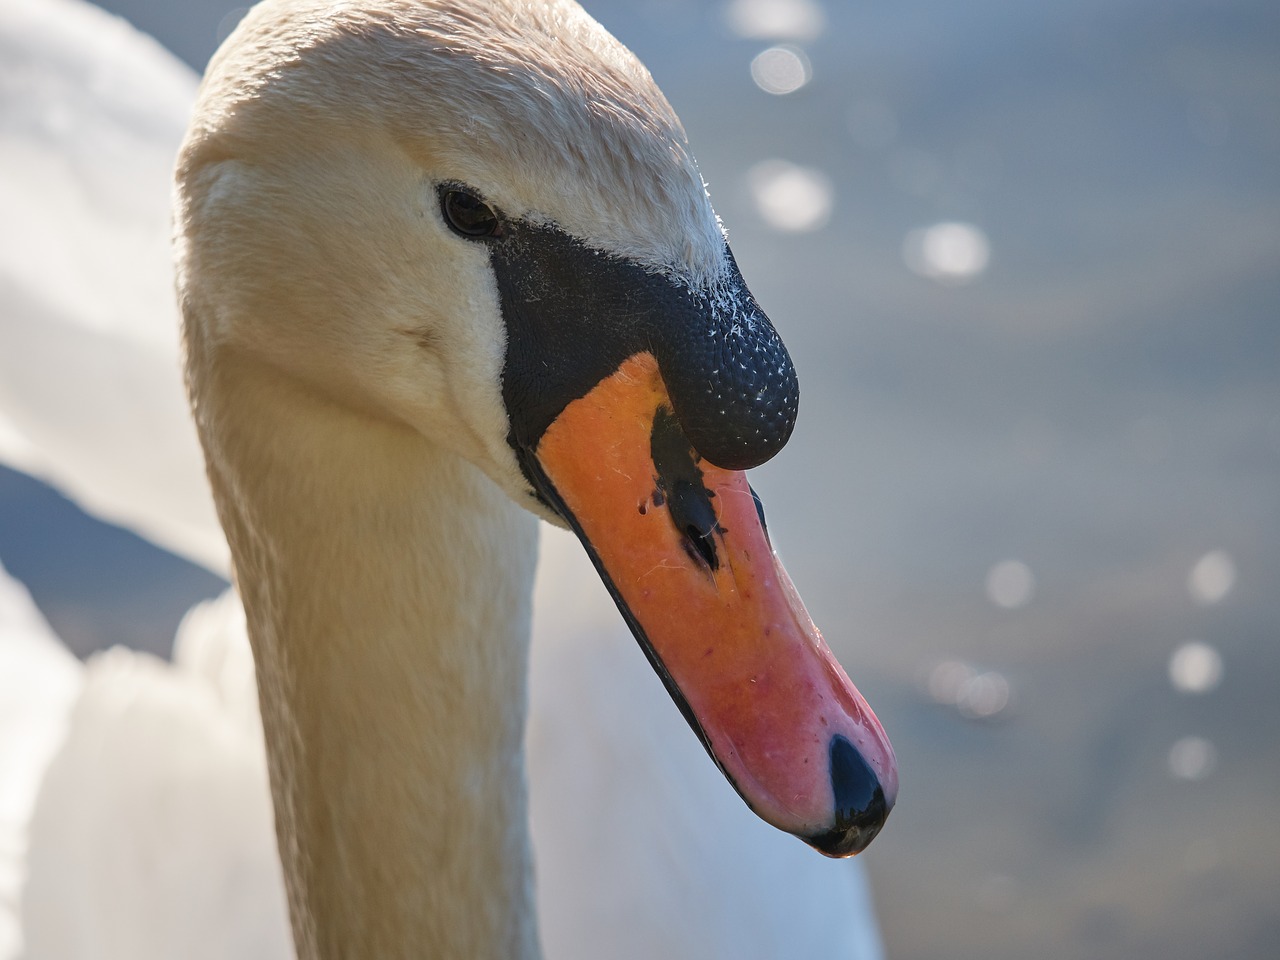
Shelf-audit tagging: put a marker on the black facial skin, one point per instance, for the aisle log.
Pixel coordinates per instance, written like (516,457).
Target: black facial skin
(573,314)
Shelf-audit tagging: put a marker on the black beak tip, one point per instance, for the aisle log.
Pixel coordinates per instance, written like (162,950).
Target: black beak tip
(860,805)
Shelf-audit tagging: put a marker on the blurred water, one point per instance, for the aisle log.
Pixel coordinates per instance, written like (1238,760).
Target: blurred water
(1032,497)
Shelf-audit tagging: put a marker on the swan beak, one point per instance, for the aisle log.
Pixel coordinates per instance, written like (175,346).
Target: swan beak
(683,548)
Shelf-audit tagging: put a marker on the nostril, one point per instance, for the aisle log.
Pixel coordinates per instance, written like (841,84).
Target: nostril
(702,545)
(852,780)
(860,805)
(680,479)
(693,516)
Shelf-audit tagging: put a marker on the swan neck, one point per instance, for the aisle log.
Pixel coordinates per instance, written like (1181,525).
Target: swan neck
(386,583)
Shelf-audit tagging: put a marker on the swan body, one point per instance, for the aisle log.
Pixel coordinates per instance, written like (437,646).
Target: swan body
(418,483)
(152,832)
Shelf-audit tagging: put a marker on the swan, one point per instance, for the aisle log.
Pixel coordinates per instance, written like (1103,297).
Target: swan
(377,275)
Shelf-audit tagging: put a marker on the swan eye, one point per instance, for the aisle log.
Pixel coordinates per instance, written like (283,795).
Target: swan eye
(468,216)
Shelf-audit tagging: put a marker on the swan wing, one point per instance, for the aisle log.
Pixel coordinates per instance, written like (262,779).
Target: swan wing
(91,396)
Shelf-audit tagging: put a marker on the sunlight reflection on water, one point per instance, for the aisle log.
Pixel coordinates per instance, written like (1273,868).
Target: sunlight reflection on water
(781,70)
(775,19)
(790,197)
(1010,584)
(1192,758)
(950,253)
(1212,578)
(974,694)
(1195,667)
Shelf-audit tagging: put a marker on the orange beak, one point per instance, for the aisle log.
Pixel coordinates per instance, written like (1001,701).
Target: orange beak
(682,546)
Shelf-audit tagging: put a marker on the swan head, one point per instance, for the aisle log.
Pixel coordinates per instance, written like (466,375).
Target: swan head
(482,221)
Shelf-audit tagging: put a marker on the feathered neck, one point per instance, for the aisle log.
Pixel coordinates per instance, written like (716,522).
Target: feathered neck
(386,584)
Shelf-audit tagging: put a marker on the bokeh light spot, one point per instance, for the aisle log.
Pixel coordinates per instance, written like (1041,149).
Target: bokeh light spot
(775,19)
(1212,578)
(974,695)
(1195,667)
(984,697)
(790,197)
(781,70)
(1192,758)
(950,253)
(947,679)
(1010,584)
